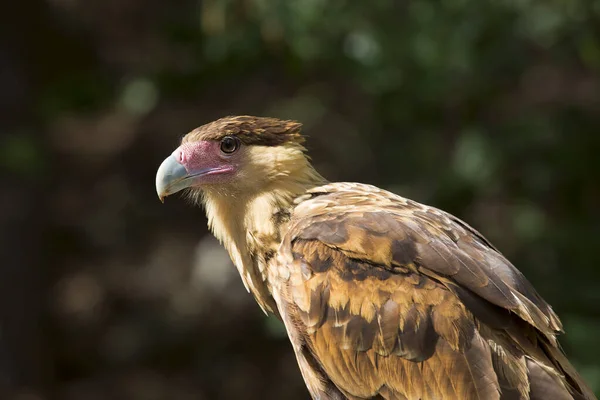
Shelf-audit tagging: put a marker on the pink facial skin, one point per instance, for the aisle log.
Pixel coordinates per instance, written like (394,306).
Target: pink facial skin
(204,162)
(195,164)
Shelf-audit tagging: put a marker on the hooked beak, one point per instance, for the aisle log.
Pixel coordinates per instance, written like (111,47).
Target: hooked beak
(171,177)
(193,164)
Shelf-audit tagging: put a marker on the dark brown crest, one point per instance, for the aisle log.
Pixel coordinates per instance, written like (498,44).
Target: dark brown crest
(250,130)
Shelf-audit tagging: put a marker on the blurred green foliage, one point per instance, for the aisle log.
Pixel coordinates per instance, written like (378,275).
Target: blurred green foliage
(489,110)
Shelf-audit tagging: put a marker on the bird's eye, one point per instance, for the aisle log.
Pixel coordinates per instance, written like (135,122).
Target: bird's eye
(229,144)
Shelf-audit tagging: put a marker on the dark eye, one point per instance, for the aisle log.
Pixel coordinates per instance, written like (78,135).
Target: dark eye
(229,144)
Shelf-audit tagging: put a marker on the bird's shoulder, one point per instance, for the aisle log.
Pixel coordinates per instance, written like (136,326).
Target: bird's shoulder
(361,230)
(372,204)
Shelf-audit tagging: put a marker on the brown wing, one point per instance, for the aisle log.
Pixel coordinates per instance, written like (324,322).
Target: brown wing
(386,297)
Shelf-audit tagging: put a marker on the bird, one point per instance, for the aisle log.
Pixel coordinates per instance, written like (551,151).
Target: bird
(381,297)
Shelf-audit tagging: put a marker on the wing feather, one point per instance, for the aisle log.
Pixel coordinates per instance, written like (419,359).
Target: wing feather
(401,300)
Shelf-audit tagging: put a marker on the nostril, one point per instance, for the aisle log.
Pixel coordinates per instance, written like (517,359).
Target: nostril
(181,156)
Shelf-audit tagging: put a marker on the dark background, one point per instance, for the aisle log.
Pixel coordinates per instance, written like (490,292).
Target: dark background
(487,109)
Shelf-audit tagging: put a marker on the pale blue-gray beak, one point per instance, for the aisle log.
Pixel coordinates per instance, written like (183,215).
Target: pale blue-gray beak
(171,177)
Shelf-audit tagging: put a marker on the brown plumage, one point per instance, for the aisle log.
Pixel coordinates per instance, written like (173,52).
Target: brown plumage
(382,297)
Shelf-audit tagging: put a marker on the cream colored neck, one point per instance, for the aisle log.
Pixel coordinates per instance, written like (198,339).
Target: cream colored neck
(248,228)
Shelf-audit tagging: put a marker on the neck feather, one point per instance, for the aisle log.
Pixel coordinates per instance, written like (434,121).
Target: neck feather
(250,225)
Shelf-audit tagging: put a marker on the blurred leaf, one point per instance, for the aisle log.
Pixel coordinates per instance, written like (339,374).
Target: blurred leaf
(139,96)
(529,221)
(473,161)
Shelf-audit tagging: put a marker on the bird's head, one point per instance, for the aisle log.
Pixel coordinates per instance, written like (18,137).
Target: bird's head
(233,156)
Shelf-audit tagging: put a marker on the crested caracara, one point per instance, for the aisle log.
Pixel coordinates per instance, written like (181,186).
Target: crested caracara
(381,297)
